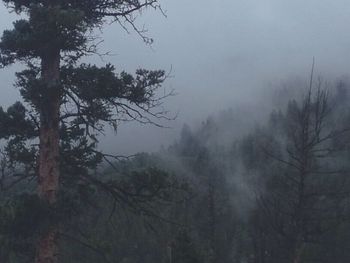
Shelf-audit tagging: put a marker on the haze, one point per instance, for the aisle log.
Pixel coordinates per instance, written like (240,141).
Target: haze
(222,53)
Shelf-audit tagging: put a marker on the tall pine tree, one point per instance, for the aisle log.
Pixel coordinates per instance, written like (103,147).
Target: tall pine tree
(51,136)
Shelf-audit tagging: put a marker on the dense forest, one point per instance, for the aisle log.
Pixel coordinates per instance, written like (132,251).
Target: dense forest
(231,190)
(264,184)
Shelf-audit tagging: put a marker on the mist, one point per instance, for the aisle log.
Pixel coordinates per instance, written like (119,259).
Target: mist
(220,55)
(247,160)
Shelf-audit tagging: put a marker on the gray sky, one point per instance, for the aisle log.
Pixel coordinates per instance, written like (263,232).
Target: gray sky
(223,53)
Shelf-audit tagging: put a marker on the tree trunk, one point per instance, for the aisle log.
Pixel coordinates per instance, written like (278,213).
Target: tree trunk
(48,181)
(297,257)
(298,253)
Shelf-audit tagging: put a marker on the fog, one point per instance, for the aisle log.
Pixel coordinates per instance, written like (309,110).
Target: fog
(251,163)
(221,55)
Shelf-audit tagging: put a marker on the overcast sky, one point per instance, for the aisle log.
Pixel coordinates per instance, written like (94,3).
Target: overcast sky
(223,53)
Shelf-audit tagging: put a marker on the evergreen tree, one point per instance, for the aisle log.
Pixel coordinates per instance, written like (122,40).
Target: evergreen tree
(51,137)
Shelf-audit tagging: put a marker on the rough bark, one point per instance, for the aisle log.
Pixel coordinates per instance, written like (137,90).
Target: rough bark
(48,181)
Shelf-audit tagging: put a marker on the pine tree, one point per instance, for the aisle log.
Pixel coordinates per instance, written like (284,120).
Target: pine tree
(52,135)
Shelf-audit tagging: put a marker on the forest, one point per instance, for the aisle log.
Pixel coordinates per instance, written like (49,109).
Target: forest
(245,185)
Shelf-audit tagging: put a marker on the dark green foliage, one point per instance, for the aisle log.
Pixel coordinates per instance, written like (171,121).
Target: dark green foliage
(49,39)
(14,122)
(22,220)
(61,25)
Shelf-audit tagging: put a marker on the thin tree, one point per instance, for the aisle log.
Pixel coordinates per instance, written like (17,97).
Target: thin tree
(306,197)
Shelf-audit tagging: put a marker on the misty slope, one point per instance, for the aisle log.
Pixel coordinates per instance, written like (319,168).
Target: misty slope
(219,194)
